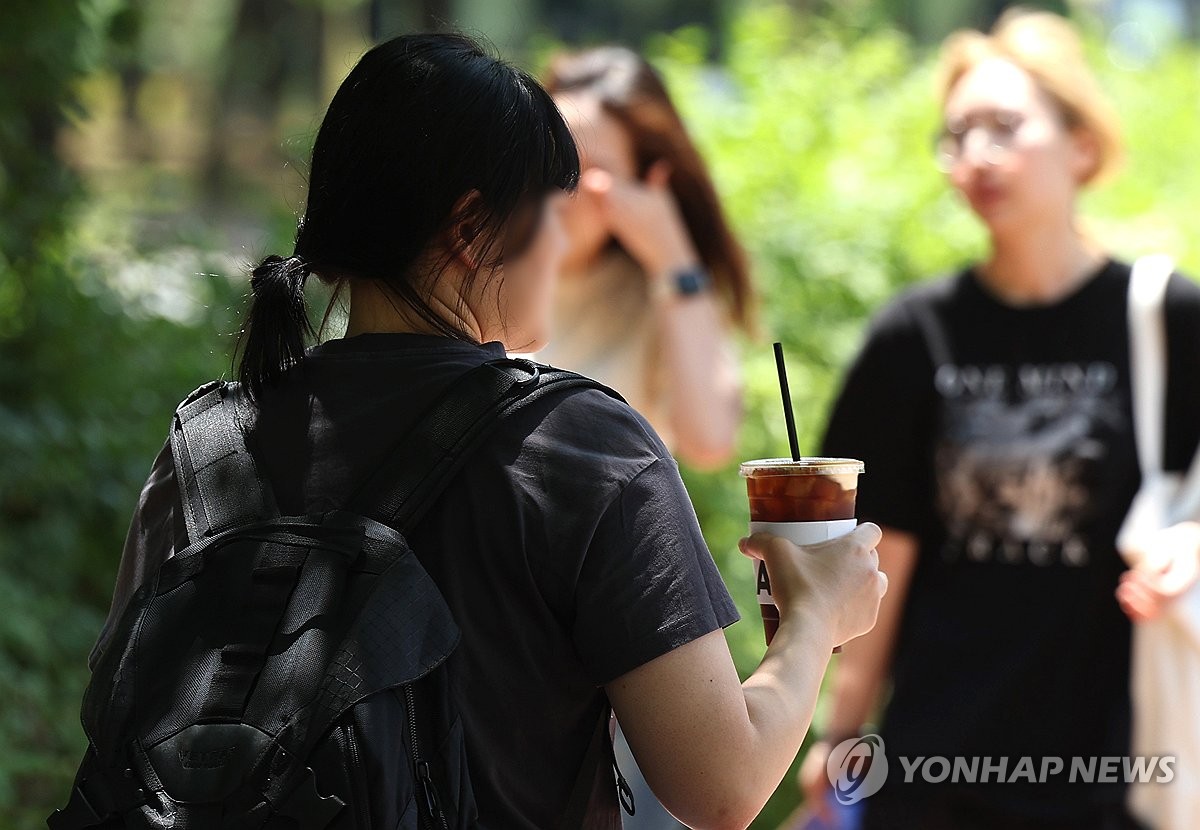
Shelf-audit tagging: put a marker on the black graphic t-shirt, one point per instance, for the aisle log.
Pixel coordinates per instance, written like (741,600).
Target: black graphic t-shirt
(567,549)
(1002,439)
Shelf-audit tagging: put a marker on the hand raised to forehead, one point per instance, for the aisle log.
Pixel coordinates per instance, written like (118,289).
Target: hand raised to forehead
(643,216)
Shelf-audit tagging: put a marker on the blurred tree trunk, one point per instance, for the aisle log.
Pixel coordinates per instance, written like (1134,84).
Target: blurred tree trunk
(274,45)
(42,49)
(126,58)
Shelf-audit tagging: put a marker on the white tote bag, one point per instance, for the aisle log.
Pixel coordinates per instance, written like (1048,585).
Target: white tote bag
(1165,682)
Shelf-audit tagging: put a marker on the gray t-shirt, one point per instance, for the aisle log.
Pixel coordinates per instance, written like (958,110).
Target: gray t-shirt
(567,549)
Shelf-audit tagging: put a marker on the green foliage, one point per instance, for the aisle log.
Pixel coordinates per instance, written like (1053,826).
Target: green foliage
(88,377)
(819,132)
(88,390)
(39,643)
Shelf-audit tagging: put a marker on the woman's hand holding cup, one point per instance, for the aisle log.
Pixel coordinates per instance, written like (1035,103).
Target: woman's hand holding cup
(836,583)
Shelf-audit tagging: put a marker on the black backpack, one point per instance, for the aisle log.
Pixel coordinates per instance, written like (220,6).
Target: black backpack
(283,673)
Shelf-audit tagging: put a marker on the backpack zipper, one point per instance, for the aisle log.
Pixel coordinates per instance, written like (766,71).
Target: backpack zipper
(429,795)
(364,814)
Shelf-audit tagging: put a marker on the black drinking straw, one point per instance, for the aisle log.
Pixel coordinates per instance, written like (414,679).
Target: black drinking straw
(788,415)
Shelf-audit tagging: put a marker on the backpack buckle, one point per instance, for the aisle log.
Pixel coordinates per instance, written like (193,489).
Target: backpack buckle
(534,370)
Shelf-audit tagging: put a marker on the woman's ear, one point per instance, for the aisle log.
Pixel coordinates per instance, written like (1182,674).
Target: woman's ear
(1085,155)
(463,233)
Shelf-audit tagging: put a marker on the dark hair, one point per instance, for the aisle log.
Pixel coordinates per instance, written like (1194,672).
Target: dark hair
(426,132)
(629,89)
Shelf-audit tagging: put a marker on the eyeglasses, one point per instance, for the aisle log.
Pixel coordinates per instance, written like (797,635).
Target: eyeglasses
(999,129)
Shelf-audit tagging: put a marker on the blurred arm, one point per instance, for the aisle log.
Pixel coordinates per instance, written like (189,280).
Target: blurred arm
(704,384)
(697,359)
(866,661)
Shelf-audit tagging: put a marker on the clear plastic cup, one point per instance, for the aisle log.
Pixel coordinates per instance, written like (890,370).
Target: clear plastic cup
(807,501)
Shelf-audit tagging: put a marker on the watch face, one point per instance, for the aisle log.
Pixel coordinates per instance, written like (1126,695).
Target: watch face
(692,281)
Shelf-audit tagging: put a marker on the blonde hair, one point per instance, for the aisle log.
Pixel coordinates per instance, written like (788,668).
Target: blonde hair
(1049,49)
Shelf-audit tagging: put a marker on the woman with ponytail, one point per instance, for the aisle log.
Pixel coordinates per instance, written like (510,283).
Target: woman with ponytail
(566,549)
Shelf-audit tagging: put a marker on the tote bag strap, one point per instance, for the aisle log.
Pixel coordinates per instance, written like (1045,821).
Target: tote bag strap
(1148,359)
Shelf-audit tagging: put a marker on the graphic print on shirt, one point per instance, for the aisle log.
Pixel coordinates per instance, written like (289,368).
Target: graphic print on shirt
(1021,449)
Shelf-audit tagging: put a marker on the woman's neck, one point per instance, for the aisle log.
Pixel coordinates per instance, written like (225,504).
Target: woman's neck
(1040,266)
(374,309)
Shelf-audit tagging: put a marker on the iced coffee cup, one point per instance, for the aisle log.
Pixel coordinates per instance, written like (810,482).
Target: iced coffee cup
(807,501)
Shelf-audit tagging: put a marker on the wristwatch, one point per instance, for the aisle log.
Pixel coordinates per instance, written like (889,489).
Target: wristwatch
(686,282)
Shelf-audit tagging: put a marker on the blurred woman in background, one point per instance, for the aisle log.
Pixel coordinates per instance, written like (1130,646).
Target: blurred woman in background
(654,282)
(1003,462)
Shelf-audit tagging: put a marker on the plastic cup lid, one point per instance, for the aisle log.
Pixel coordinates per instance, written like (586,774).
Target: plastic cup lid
(805,466)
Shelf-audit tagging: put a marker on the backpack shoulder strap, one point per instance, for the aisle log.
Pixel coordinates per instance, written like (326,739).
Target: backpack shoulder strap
(424,461)
(219,482)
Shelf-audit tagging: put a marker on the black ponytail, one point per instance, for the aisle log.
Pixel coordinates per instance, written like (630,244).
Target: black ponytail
(277,327)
